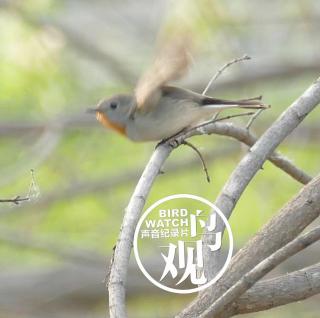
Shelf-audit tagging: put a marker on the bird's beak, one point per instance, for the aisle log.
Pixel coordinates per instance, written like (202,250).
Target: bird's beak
(92,110)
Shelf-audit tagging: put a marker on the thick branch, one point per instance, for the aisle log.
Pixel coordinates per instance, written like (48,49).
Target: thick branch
(243,135)
(280,291)
(260,270)
(119,269)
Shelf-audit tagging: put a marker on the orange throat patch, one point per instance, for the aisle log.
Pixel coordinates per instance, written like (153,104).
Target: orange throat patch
(104,120)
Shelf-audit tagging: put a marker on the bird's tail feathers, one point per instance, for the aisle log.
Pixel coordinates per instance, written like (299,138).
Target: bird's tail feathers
(249,103)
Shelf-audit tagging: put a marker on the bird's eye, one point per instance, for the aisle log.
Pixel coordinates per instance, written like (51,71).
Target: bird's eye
(113,105)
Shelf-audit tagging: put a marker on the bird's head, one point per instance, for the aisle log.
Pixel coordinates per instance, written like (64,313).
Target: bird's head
(114,112)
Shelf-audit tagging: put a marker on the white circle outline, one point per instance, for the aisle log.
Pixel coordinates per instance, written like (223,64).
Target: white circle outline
(149,277)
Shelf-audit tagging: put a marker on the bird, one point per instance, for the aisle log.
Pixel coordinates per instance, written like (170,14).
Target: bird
(156,111)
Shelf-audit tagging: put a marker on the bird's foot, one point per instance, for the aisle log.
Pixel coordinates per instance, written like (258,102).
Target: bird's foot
(173,141)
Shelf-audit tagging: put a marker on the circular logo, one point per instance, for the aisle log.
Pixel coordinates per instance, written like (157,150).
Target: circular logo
(169,246)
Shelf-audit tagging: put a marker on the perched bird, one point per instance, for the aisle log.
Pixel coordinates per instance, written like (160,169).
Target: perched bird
(156,111)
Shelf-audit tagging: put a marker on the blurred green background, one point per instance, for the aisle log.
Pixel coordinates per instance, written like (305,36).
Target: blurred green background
(59,57)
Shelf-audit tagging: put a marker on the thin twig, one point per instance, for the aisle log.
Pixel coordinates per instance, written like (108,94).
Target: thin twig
(214,120)
(15,200)
(178,138)
(220,71)
(32,193)
(200,156)
(253,118)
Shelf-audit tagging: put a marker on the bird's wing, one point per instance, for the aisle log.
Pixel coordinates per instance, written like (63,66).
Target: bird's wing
(171,63)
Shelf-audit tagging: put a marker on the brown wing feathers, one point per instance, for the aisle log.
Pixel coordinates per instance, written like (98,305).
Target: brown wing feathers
(171,63)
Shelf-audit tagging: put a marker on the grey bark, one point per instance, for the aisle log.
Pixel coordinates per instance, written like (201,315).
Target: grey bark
(119,269)
(222,304)
(279,291)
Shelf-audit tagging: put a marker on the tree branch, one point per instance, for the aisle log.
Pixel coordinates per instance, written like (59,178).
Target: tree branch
(244,136)
(17,200)
(118,274)
(280,291)
(263,73)
(220,71)
(33,193)
(260,270)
